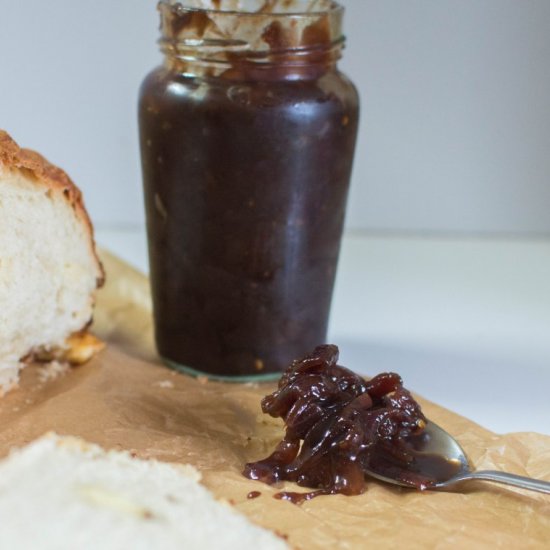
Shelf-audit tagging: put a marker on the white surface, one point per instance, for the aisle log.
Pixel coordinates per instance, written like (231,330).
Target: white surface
(456,106)
(465,322)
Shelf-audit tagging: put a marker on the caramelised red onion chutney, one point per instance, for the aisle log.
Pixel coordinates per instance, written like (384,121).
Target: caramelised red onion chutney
(339,425)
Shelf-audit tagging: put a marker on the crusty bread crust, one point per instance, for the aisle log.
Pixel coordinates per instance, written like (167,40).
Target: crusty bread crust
(37,168)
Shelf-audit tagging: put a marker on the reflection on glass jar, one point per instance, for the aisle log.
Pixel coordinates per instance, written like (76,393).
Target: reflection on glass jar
(247,136)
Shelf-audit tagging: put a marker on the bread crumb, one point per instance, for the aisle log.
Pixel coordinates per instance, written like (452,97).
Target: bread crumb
(82,347)
(52,370)
(166,384)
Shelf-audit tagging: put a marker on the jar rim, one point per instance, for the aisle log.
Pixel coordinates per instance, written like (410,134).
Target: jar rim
(193,34)
(333,7)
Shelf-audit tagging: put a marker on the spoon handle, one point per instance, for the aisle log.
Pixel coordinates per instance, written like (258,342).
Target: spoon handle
(510,479)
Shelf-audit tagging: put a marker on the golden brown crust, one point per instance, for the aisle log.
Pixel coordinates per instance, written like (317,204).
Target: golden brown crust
(34,165)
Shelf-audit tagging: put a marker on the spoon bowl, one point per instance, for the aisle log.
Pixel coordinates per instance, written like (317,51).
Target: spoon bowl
(439,458)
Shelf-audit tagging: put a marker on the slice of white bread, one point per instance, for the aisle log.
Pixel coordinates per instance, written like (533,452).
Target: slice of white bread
(62,493)
(49,269)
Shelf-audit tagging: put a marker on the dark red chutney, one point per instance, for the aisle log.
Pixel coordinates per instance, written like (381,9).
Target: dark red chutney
(338,426)
(246,177)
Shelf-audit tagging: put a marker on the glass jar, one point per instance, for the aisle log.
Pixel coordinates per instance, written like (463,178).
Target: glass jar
(247,136)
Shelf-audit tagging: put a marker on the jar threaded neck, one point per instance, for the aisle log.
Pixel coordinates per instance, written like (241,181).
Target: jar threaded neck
(272,40)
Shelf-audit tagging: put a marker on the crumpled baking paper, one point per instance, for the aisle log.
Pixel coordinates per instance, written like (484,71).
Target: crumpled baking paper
(125,399)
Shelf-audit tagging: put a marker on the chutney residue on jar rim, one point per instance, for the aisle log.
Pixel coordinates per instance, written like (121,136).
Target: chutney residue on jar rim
(278,32)
(274,7)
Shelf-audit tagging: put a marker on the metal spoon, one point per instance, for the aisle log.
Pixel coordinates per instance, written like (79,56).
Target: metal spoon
(438,442)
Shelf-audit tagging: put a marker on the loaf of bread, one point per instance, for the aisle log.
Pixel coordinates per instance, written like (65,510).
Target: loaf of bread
(49,269)
(61,492)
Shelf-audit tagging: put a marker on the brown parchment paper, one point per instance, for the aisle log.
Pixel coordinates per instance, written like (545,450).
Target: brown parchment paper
(124,399)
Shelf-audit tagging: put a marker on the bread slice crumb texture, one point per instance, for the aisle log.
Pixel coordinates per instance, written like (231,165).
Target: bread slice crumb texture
(49,270)
(61,492)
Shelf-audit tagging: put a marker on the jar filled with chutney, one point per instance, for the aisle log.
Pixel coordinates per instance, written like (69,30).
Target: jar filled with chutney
(247,134)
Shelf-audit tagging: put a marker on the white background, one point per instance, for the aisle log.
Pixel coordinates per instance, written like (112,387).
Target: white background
(455,132)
